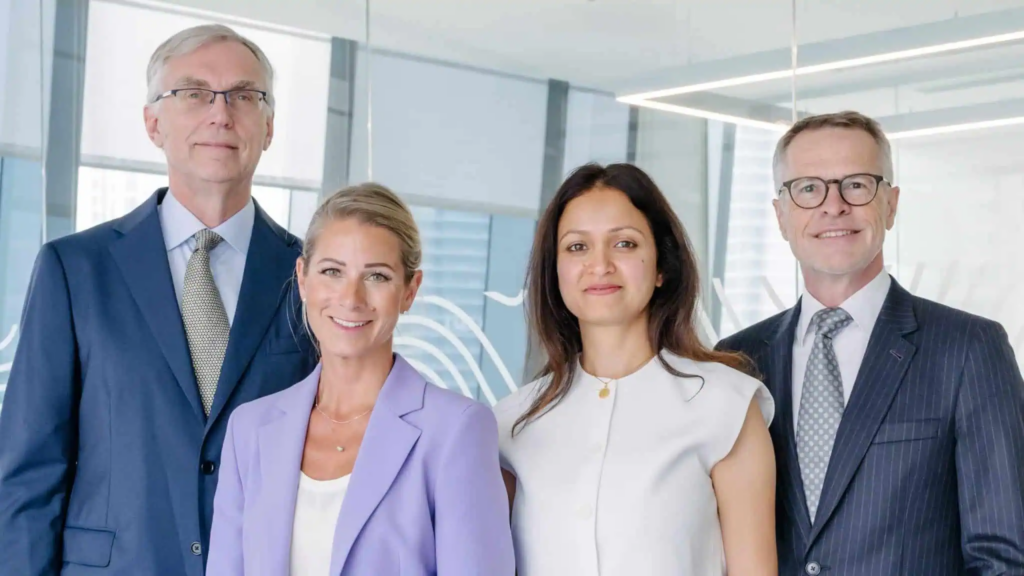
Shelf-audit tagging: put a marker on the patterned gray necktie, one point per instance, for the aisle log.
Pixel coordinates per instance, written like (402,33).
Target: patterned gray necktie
(206,322)
(821,404)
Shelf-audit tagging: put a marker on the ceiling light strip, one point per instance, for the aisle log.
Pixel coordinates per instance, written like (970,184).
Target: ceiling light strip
(902,135)
(953,128)
(706,114)
(832,66)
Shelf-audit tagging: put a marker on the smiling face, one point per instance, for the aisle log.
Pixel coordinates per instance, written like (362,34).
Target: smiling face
(607,260)
(836,239)
(354,289)
(218,143)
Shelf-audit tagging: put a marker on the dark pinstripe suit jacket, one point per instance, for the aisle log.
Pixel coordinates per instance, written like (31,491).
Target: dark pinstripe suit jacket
(927,473)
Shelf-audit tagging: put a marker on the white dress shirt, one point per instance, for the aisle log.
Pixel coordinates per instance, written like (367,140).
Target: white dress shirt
(227,260)
(850,344)
(621,486)
(316,516)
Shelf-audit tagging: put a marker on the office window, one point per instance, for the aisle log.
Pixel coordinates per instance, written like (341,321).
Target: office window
(26,45)
(760,271)
(107,194)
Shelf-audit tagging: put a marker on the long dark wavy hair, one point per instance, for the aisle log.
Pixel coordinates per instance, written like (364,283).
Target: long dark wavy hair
(671,309)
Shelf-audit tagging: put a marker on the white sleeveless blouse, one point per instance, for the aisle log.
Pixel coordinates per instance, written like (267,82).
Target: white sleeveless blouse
(620,486)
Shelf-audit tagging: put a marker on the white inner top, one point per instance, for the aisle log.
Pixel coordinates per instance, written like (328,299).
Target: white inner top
(316,517)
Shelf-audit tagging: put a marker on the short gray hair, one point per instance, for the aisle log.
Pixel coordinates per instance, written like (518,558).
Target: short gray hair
(192,39)
(372,204)
(849,120)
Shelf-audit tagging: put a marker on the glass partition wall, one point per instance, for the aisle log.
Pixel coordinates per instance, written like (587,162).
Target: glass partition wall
(475,112)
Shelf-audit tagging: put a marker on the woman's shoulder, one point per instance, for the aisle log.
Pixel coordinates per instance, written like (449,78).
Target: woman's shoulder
(725,386)
(511,407)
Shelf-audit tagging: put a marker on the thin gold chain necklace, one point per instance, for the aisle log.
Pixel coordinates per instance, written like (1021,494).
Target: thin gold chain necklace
(316,405)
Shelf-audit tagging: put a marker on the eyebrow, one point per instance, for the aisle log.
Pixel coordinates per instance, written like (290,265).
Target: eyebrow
(368,265)
(612,231)
(193,82)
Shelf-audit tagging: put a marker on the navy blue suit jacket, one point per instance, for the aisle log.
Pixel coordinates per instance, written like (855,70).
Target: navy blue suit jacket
(927,472)
(107,460)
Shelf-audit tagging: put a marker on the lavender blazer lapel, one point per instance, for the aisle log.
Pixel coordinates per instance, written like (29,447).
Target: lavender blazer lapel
(281,444)
(386,445)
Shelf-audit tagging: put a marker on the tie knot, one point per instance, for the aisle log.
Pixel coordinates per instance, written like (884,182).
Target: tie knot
(830,321)
(207,240)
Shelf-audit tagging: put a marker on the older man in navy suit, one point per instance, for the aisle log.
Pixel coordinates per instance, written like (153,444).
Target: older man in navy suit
(900,425)
(141,335)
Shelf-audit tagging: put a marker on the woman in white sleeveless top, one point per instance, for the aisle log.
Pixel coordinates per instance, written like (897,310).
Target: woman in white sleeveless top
(639,451)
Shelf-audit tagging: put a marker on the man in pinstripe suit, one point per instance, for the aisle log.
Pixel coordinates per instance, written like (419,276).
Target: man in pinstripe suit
(900,426)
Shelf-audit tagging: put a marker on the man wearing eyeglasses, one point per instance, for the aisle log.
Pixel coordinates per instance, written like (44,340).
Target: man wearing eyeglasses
(899,434)
(141,335)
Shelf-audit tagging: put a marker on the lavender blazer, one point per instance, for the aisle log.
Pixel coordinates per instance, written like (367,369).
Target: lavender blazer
(426,494)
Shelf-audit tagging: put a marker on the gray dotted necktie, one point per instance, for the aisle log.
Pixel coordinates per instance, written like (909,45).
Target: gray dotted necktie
(821,404)
(206,322)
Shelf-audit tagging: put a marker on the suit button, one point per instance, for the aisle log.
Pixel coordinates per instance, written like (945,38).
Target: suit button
(207,467)
(812,569)
(197,548)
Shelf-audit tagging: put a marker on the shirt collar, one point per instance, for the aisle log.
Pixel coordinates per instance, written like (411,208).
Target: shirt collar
(864,306)
(179,225)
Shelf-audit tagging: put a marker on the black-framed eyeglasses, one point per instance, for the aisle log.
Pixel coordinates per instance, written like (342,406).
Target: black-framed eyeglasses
(242,99)
(809,192)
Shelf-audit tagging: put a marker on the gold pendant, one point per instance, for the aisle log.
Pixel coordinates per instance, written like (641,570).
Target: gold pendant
(604,392)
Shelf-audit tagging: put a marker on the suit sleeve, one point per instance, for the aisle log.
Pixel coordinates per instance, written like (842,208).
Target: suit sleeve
(38,426)
(990,455)
(471,517)
(225,557)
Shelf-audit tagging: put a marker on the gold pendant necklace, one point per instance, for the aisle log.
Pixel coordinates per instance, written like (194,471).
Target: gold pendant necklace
(604,392)
(316,405)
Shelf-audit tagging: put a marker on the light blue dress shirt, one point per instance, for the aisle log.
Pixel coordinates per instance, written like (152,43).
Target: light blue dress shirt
(227,261)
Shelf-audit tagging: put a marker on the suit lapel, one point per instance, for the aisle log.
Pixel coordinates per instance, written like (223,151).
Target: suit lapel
(281,444)
(886,360)
(269,266)
(386,445)
(780,373)
(142,257)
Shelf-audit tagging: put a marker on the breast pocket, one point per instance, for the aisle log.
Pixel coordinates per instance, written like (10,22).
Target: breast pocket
(907,431)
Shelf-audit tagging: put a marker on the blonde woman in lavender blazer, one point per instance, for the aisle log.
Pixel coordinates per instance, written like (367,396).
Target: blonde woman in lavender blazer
(363,467)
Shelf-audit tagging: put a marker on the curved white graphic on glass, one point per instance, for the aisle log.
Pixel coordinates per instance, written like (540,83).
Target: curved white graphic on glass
(475,329)
(510,301)
(947,282)
(6,367)
(440,356)
(915,282)
(466,354)
(772,294)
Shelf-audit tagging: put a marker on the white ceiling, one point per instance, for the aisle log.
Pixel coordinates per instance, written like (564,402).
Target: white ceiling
(602,44)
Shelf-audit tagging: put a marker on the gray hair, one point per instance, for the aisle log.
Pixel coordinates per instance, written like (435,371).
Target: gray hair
(192,39)
(849,120)
(371,204)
